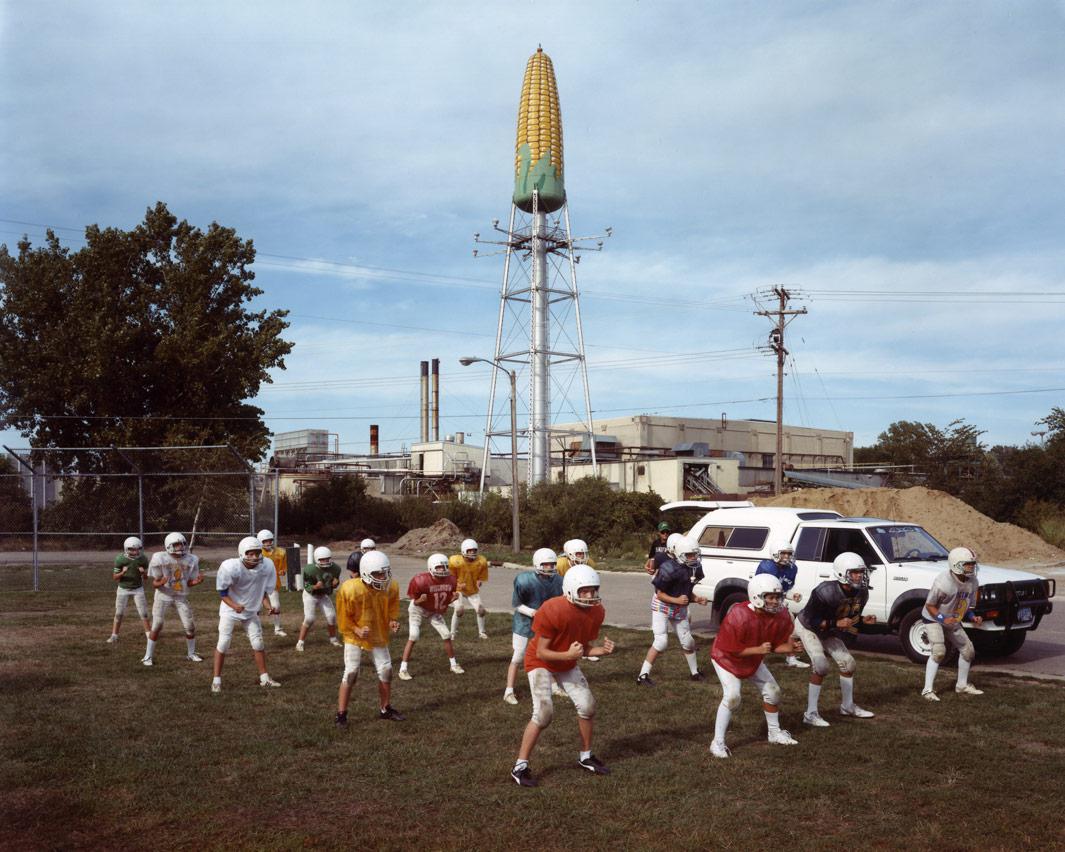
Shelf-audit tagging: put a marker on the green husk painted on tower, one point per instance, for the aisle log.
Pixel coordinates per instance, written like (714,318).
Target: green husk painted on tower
(541,176)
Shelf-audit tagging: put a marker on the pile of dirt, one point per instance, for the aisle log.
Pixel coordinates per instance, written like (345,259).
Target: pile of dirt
(947,518)
(441,537)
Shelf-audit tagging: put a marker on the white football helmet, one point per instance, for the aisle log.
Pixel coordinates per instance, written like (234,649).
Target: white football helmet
(762,585)
(671,543)
(132,547)
(780,549)
(375,570)
(323,557)
(250,551)
(962,561)
(437,565)
(544,561)
(576,551)
(367,544)
(175,544)
(266,539)
(469,549)
(687,550)
(581,577)
(847,564)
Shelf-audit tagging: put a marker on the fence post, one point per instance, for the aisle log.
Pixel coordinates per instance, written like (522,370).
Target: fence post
(277,500)
(251,502)
(33,506)
(140,505)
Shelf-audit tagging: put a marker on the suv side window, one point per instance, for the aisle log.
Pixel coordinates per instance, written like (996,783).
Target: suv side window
(811,540)
(748,538)
(715,536)
(849,540)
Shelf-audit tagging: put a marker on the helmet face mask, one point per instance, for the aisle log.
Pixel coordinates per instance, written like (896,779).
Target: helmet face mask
(851,570)
(581,586)
(545,562)
(250,551)
(323,557)
(576,551)
(132,547)
(686,551)
(766,593)
(266,539)
(175,545)
(375,570)
(783,554)
(437,566)
(962,562)
(469,549)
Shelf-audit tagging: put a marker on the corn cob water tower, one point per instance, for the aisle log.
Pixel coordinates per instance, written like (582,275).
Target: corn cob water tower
(539,331)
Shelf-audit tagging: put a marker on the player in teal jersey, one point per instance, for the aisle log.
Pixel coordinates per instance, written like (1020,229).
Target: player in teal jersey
(531,589)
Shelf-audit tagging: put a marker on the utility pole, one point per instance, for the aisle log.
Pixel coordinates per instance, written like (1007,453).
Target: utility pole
(781,316)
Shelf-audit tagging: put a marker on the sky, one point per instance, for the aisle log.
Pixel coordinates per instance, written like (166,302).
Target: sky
(897,166)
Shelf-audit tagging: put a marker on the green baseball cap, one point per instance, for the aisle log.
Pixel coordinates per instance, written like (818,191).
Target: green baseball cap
(664,527)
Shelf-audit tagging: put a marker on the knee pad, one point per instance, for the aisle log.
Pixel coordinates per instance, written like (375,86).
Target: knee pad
(459,610)
(414,633)
(350,675)
(542,714)
(661,641)
(586,707)
(820,665)
(939,652)
(384,674)
(771,694)
(847,664)
(968,652)
(223,643)
(157,625)
(256,640)
(684,636)
(731,700)
(481,611)
(517,657)
(331,620)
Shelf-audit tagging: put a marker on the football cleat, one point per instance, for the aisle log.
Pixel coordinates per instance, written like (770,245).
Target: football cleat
(523,777)
(591,659)
(405,675)
(194,658)
(929,695)
(719,749)
(336,643)
(457,669)
(299,646)
(814,720)
(782,737)
(279,632)
(795,662)
(112,639)
(510,698)
(698,676)
(968,689)
(268,682)
(482,635)
(645,680)
(391,714)
(148,661)
(595,765)
(341,720)
(215,688)
(855,711)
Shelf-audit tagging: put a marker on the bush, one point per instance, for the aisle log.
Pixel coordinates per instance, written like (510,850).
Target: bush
(589,509)
(1045,519)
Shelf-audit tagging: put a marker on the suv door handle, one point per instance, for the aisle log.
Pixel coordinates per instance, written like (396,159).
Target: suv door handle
(823,575)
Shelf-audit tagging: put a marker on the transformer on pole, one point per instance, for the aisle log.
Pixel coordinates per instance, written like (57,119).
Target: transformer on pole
(539,331)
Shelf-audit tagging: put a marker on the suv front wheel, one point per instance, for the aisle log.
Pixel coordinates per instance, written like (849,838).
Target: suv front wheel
(913,634)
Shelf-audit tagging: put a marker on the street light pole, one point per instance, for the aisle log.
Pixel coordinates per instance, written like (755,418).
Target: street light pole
(515,531)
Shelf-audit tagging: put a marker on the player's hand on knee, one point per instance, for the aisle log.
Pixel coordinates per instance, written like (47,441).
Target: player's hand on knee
(393,626)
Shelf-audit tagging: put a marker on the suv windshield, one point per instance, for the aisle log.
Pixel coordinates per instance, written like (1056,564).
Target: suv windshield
(907,543)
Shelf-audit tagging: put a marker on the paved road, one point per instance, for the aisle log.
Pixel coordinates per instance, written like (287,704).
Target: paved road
(627,598)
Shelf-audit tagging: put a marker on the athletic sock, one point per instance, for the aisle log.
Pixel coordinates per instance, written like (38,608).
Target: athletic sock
(963,672)
(930,670)
(277,621)
(454,623)
(264,678)
(773,721)
(453,661)
(191,645)
(114,635)
(645,668)
(693,661)
(519,765)
(724,716)
(813,695)
(217,681)
(846,686)
(585,755)
(509,690)
(150,650)
(403,666)
(480,623)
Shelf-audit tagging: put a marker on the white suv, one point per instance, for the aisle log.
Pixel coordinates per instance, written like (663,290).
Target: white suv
(903,559)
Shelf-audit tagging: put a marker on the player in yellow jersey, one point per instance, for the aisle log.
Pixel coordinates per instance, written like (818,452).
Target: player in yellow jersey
(574,552)
(367,614)
(471,571)
(279,556)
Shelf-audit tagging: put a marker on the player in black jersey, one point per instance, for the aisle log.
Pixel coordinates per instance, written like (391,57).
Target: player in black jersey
(833,612)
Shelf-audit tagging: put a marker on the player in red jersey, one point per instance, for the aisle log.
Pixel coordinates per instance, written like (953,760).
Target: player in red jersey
(430,593)
(564,629)
(747,634)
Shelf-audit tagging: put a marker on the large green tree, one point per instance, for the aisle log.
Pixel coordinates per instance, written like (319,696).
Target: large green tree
(141,338)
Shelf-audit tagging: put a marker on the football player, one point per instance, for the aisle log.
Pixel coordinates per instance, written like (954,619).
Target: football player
(279,556)
(173,571)
(365,546)
(746,635)
(564,630)
(244,585)
(950,601)
(674,583)
(658,547)
(367,611)
(833,612)
(574,552)
(783,567)
(319,580)
(431,593)
(130,567)
(531,589)
(471,571)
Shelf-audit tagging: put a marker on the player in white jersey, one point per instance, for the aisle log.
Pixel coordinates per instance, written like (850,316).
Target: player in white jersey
(173,571)
(244,585)
(950,601)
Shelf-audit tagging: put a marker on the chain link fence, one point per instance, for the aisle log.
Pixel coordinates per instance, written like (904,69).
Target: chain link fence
(67,518)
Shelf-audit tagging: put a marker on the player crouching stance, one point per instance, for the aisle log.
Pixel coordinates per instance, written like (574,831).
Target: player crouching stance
(953,594)
(834,609)
(173,571)
(279,556)
(531,590)
(747,634)
(430,593)
(243,584)
(367,609)
(319,580)
(130,568)
(564,629)
(471,571)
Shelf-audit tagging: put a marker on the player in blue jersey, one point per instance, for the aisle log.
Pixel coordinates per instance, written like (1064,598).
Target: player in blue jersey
(783,567)
(531,589)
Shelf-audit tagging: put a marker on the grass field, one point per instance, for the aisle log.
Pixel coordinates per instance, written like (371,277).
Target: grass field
(97,751)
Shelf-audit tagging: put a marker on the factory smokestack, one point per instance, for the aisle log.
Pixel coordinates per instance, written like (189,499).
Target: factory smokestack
(375,440)
(424,413)
(436,399)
